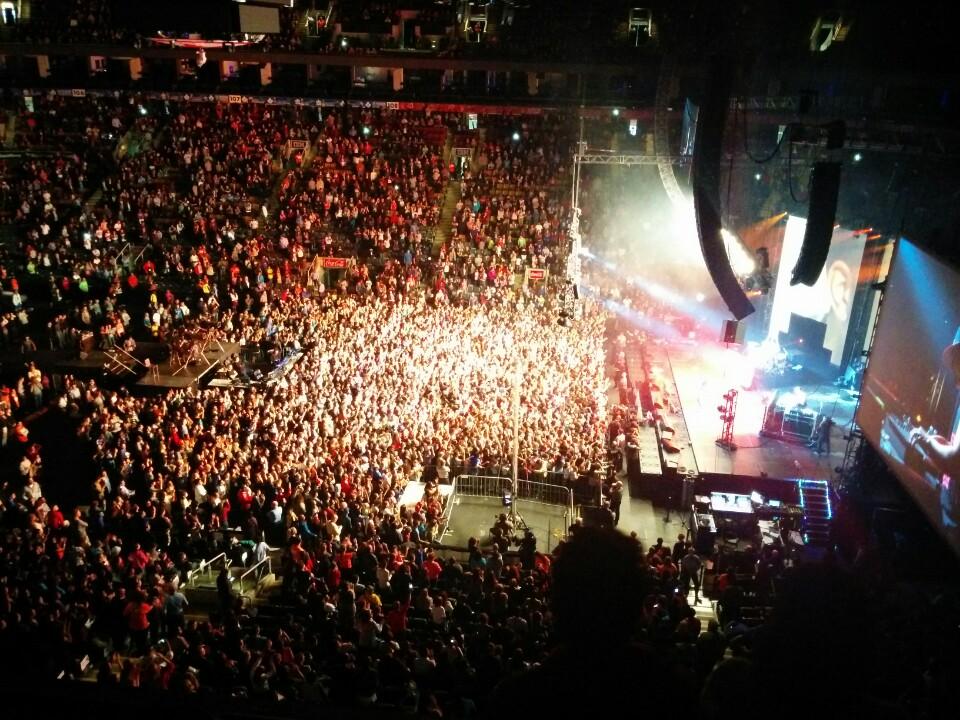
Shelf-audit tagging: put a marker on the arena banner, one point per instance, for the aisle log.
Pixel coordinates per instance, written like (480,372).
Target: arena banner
(334,263)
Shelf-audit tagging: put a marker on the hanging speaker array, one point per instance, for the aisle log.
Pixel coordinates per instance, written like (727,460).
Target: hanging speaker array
(705,177)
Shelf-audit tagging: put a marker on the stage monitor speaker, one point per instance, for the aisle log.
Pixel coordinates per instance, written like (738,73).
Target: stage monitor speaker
(733,331)
(824,188)
(706,189)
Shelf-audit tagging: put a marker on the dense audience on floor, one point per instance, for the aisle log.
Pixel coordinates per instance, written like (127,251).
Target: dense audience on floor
(195,212)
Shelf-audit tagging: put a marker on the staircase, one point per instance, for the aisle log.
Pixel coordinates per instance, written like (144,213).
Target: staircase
(253,584)
(444,225)
(9,138)
(817,511)
(704,610)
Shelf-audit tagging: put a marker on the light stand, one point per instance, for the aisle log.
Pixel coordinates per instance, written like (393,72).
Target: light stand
(728,414)
(517,519)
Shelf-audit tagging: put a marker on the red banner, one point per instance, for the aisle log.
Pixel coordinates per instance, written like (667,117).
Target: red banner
(334,263)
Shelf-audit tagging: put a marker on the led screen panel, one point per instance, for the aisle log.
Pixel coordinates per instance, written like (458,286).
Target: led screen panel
(830,299)
(257,20)
(910,407)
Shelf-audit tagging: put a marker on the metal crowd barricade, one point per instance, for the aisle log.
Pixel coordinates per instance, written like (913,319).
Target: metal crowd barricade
(527,490)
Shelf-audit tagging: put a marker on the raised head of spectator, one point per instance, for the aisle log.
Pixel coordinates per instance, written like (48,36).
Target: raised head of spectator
(600,666)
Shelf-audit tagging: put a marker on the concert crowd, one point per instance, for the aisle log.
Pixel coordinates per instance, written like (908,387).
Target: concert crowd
(136,220)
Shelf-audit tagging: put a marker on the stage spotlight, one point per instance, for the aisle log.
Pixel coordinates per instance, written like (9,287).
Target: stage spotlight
(516,136)
(857,157)
(758,177)
(616,112)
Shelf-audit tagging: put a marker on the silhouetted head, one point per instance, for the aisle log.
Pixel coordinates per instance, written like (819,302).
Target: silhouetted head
(597,589)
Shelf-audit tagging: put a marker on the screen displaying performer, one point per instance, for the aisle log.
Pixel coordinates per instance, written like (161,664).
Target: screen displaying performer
(910,408)
(830,299)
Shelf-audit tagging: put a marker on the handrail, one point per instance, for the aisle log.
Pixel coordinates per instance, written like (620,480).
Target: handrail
(205,565)
(447,514)
(266,561)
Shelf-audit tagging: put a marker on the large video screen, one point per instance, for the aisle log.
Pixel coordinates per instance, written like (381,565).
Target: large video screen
(255,19)
(830,300)
(910,408)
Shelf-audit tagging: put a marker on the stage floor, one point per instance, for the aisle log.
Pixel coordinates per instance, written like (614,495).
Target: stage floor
(704,373)
(168,376)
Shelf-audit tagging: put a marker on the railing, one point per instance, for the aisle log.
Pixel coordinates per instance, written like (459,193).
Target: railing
(529,490)
(447,512)
(205,568)
(259,566)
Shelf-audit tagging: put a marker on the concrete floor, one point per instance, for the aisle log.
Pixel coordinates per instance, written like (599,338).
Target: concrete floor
(473,517)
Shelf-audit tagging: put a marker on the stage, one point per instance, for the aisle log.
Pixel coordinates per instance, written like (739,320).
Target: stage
(703,373)
(161,373)
(167,375)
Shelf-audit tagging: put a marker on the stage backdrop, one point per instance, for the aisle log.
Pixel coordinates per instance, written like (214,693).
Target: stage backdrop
(828,301)
(912,379)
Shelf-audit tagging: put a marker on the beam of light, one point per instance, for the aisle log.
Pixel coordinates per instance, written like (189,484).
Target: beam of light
(765,224)
(692,306)
(643,322)
(635,318)
(741,261)
(661,293)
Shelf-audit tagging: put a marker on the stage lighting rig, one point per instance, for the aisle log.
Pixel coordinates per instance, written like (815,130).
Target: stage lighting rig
(728,415)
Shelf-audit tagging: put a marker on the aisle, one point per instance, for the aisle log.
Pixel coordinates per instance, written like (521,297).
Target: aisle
(649,522)
(639,515)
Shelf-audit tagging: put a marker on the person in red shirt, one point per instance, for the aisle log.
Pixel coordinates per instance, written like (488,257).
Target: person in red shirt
(55,518)
(245,499)
(432,568)
(138,623)
(345,562)
(396,619)
(138,558)
(333,577)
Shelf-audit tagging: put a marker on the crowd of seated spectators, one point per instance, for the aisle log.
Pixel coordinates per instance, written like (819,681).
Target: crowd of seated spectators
(71,21)
(372,189)
(511,215)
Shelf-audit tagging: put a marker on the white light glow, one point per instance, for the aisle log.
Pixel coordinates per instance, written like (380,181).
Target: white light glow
(740,260)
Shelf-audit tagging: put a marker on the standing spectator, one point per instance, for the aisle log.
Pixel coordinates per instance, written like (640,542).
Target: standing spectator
(137,613)
(690,567)
(597,591)
(616,498)
(679,548)
(224,591)
(174,607)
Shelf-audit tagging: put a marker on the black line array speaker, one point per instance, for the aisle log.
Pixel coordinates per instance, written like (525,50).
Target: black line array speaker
(705,175)
(824,188)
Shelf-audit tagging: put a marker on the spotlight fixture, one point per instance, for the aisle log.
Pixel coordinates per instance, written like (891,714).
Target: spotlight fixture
(616,112)
(516,136)
(857,157)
